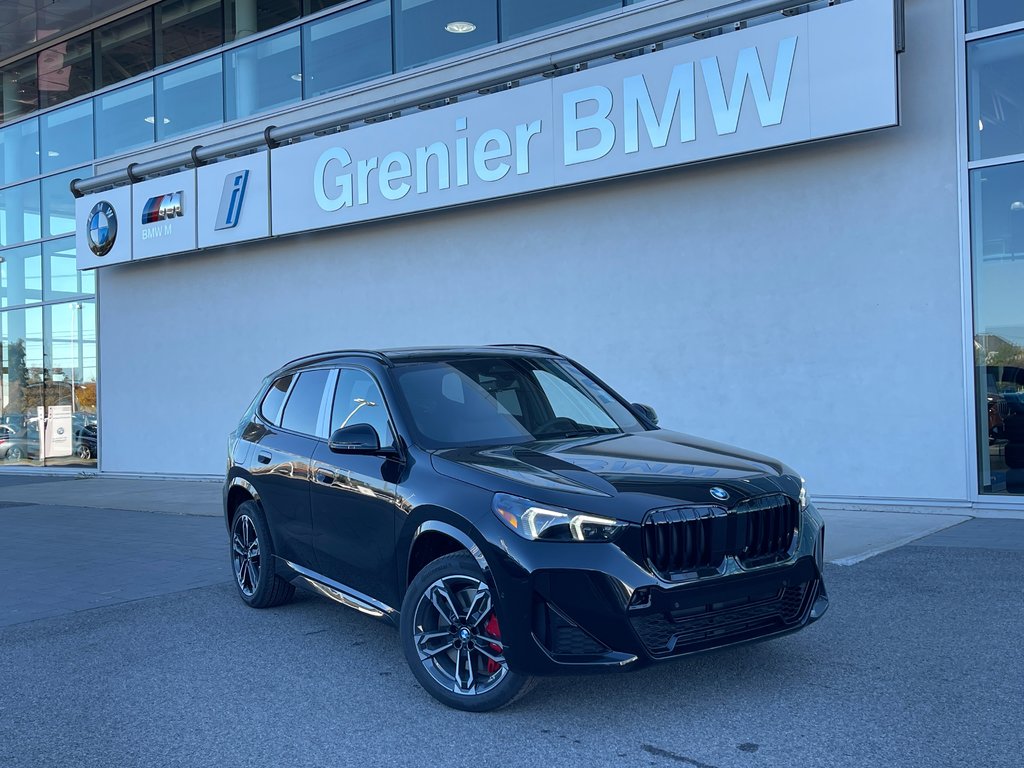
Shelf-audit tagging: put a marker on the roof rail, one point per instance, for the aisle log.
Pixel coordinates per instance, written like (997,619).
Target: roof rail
(535,347)
(378,356)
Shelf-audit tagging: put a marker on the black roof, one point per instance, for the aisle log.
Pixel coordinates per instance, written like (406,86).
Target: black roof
(405,354)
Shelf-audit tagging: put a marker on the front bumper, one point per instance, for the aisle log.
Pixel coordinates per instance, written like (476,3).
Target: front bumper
(575,607)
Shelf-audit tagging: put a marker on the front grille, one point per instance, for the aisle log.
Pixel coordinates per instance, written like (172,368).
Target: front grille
(715,624)
(687,539)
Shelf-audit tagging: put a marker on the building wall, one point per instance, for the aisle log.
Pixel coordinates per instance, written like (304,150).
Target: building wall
(805,303)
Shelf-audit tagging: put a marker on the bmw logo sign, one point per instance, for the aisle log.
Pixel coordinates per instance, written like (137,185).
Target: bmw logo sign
(102,228)
(60,430)
(720,493)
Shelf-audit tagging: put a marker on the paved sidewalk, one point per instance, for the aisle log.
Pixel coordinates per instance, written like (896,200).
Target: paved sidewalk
(852,535)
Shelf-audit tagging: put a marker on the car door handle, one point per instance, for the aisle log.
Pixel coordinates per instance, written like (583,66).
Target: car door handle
(325,476)
(263,458)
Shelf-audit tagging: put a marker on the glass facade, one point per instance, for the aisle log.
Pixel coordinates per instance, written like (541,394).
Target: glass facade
(996,186)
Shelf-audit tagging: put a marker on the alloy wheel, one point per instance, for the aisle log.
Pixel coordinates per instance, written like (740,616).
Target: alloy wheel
(456,635)
(245,549)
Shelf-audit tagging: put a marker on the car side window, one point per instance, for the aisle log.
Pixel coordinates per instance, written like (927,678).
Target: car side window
(302,411)
(270,408)
(358,400)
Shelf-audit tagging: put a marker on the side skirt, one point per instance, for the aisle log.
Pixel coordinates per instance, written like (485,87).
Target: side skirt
(336,591)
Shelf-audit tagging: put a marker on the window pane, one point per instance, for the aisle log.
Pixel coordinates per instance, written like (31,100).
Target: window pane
(189,98)
(21,276)
(303,406)
(997,234)
(21,355)
(19,214)
(246,17)
(357,400)
(125,47)
(20,86)
(124,119)
(70,384)
(428,30)
(65,71)
(982,14)
(264,75)
(62,278)
(59,203)
(363,33)
(66,136)
(274,399)
(520,17)
(19,151)
(188,27)
(996,96)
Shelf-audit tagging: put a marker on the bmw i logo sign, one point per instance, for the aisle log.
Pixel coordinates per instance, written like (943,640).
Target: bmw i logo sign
(102,228)
(720,493)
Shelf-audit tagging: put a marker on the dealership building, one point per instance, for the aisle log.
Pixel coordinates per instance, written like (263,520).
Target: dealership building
(794,227)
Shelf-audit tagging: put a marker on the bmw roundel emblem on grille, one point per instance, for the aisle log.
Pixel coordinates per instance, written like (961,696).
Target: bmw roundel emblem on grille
(720,493)
(101,228)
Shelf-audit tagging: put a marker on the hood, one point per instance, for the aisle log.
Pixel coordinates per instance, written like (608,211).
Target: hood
(646,469)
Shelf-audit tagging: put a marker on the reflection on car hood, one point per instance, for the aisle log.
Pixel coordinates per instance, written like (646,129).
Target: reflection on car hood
(667,465)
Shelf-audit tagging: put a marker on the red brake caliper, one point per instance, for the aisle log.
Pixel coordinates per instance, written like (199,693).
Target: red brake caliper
(491,628)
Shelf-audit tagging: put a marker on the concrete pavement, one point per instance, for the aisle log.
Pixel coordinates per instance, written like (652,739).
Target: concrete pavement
(852,535)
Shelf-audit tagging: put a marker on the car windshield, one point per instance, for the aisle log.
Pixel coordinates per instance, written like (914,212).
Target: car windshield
(501,400)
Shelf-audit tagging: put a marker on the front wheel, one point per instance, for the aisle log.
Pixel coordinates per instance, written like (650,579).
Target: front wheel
(452,639)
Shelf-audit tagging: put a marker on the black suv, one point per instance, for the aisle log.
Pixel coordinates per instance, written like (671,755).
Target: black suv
(512,516)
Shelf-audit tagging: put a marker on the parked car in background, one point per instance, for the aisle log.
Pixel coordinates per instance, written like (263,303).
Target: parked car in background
(512,516)
(86,445)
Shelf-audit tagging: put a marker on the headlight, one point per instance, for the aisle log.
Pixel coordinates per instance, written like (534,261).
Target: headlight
(803,494)
(538,522)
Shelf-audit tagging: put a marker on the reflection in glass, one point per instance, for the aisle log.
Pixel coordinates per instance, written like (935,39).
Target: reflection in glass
(362,32)
(124,119)
(428,30)
(520,17)
(19,84)
(189,98)
(19,151)
(247,17)
(67,136)
(125,48)
(21,385)
(19,214)
(69,345)
(65,71)
(63,280)
(59,203)
(188,27)
(996,96)
(263,75)
(21,276)
(983,14)
(997,234)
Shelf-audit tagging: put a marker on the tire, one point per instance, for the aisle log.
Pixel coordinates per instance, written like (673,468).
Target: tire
(252,559)
(83,452)
(447,658)
(14,453)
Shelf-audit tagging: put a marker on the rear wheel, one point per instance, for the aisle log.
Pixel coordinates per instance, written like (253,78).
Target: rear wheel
(252,559)
(451,637)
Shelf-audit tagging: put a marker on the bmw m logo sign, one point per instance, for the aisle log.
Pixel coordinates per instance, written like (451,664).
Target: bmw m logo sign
(162,207)
(101,229)
(720,493)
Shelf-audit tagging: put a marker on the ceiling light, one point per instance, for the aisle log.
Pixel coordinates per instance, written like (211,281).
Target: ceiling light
(297,77)
(1017,205)
(150,119)
(981,125)
(460,27)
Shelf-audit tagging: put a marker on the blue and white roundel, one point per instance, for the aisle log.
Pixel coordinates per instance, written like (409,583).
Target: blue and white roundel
(102,228)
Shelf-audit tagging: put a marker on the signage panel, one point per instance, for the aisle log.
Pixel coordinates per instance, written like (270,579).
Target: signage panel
(58,431)
(801,78)
(235,200)
(104,233)
(164,215)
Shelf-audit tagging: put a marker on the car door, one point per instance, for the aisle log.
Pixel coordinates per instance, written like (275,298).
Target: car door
(280,459)
(354,496)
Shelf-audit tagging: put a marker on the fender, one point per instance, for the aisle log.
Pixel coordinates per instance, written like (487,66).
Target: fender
(239,482)
(438,526)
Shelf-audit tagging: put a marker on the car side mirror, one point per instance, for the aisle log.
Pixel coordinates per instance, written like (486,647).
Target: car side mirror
(647,412)
(355,438)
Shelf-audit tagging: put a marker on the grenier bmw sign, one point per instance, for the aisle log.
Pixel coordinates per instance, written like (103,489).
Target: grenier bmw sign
(801,78)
